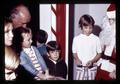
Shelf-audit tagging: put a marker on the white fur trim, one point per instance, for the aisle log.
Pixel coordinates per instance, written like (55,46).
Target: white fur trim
(108,66)
(111,14)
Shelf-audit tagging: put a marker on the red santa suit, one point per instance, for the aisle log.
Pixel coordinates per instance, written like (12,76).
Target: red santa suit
(107,36)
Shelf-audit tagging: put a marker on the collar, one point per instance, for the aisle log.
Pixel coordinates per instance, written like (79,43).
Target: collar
(27,50)
(53,61)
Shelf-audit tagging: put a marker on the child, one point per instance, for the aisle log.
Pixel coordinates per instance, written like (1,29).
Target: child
(11,63)
(86,46)
(41,38)
(57,67)
(30,57)
(8,36)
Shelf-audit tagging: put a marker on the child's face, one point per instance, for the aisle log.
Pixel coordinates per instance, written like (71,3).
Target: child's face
(27,40)
(54,55)
(8,34)
(87,30)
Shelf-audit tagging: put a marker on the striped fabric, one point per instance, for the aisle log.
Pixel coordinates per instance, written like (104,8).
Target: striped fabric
(85,73)
(34,60)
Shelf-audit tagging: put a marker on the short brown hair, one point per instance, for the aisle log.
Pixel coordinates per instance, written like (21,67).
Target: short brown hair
(86,20)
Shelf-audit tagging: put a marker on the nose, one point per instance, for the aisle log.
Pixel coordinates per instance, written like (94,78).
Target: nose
(11,34)
(56,52)
(31,40)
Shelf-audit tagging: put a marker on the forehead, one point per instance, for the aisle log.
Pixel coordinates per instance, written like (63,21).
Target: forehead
(23,18)
(87,26)
(26,35)
(54,51)
(24,13)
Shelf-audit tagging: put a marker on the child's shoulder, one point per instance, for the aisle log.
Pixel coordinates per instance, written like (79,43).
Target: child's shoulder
(34,47)
(61,61)
(78,36)
(95,36)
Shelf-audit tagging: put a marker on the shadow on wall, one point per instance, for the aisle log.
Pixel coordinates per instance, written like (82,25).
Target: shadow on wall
(96,30)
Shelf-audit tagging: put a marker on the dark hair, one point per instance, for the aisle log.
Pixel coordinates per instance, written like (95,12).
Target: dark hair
(18,39)
(41,36)
(86,20)
(52,45)
(7,20)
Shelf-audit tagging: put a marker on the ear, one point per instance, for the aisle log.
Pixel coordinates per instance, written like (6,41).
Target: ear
(48,54)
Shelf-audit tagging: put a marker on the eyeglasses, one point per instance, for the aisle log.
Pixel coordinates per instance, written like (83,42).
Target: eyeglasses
(112,19)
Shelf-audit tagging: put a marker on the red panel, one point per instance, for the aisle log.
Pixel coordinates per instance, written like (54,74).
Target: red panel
(60,26)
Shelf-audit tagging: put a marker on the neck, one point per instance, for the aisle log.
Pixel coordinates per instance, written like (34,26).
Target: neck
(53,61)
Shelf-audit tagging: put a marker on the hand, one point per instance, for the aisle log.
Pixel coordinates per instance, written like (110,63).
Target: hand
(89,64)
(78,62)
(41,76)
(59,78)
(112,74)
(48,76)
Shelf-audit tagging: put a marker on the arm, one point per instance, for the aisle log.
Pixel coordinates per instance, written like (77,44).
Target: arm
(43,65)
(94,60)
(32,70)
(76,59)
(41,60)
(74,50)
(27,66)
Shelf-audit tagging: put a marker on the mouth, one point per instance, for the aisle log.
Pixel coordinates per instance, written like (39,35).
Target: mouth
(55,57)
(10,40)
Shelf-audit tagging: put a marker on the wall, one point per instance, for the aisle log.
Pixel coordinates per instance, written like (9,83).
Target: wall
(45,18)
(97,11)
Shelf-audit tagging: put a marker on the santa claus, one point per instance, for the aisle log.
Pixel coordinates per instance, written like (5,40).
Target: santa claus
(107,69)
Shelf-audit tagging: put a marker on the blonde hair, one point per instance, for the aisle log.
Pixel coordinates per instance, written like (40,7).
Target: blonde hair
(11,58)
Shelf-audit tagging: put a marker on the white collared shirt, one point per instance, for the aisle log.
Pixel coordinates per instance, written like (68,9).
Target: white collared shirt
(86,47)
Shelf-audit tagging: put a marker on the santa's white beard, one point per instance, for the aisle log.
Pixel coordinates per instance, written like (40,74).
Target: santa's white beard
(107,34)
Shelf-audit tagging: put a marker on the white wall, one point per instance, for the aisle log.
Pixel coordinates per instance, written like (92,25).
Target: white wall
(97,11)
(45,18)
(80,9)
